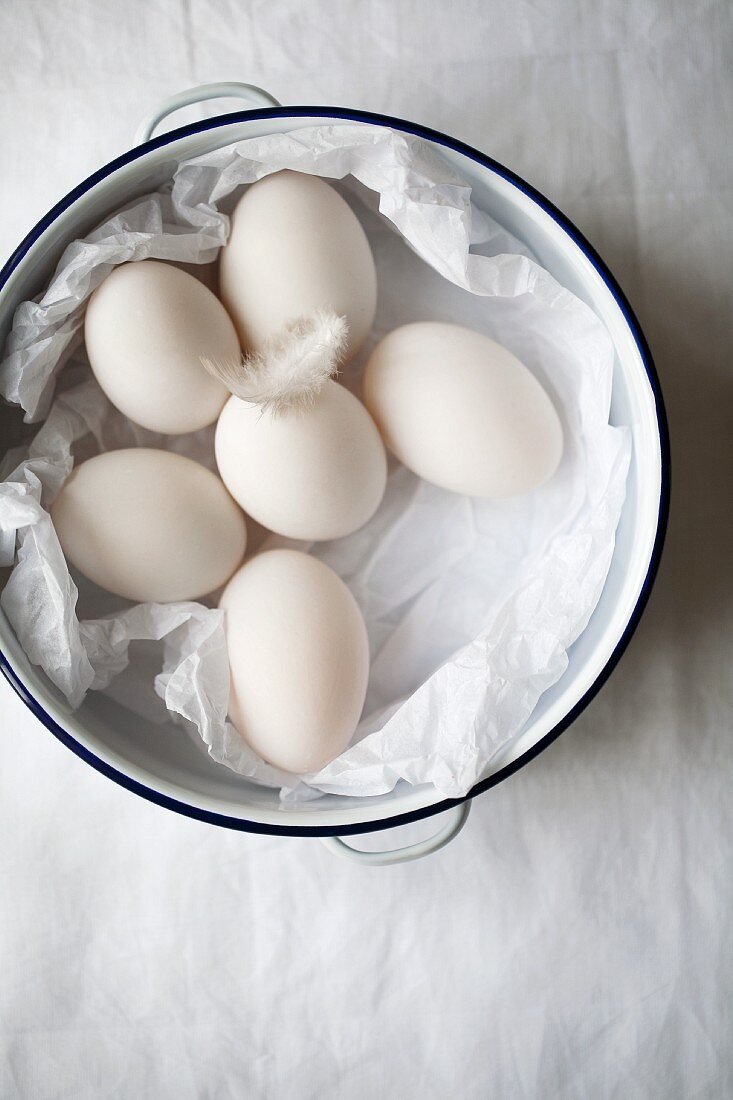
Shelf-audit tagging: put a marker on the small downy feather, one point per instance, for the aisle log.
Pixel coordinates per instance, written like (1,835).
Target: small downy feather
(291,367)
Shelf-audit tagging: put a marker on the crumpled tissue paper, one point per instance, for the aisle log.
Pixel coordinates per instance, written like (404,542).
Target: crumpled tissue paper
(470,605)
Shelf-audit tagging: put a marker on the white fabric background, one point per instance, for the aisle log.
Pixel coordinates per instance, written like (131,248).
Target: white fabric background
(575,940)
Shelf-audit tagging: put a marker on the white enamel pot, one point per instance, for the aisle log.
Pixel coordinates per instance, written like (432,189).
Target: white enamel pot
(164,766)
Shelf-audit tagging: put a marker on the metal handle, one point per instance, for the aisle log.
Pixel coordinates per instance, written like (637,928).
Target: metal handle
(249,92)
(457,817)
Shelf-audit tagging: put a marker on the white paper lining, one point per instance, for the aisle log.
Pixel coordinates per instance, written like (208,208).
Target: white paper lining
(470,605)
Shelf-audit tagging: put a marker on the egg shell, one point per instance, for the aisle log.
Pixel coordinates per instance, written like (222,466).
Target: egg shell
(149,525)
(298,658)
(295,247)
(317,472)
(147,327)
(461,411)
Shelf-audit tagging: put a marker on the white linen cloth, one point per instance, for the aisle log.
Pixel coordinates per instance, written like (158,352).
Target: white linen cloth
(574,941)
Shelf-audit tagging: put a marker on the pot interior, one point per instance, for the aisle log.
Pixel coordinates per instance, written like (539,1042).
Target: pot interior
(164,759)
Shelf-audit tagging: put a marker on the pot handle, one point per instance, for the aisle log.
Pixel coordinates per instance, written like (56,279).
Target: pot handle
(249,92)
(457,817)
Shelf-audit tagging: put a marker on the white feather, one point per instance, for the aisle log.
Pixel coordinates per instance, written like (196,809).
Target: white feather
(291,367)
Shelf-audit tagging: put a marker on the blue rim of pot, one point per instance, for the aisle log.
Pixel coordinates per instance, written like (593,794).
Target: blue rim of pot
(487,162)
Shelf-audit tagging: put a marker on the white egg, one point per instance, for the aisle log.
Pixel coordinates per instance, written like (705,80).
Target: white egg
(461,411)
(149,525)
(298,658)
(317,472)
(296,247)
(147,327)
